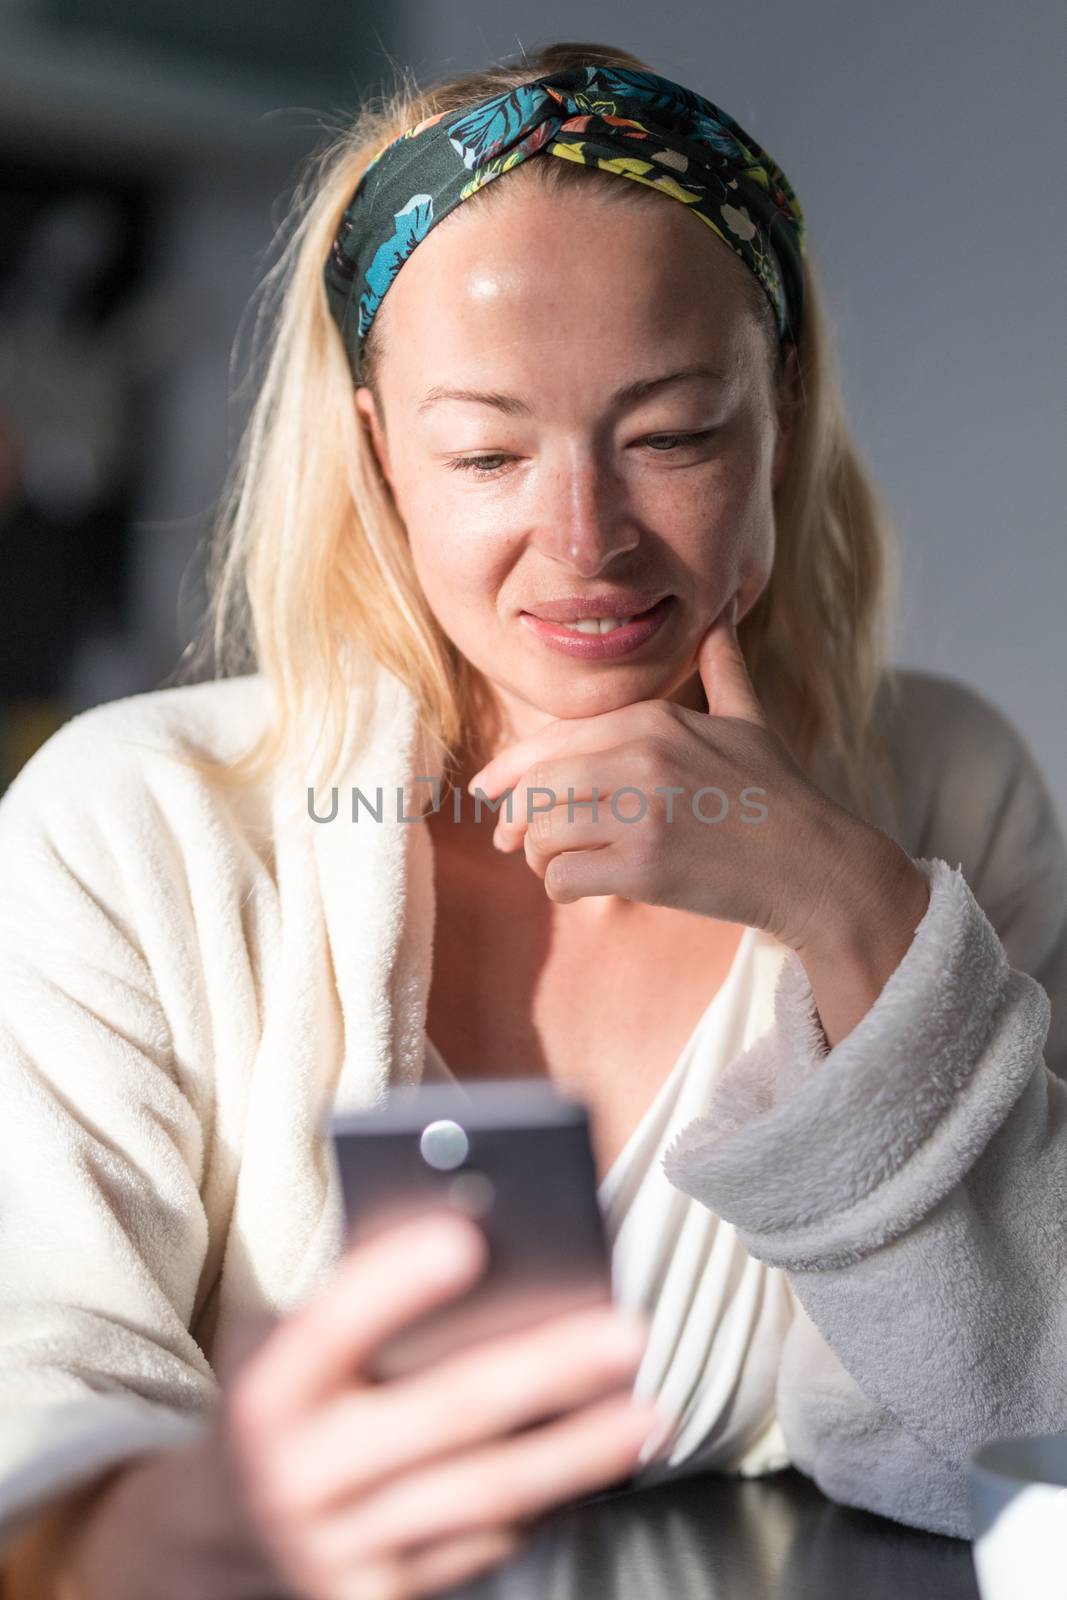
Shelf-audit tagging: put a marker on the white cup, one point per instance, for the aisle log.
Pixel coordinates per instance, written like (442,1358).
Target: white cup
(1018,1490)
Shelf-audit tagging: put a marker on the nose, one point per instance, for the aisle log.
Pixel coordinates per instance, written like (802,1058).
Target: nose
(582,521)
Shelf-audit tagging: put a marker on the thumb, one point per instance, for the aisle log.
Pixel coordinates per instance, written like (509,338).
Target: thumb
(723,672)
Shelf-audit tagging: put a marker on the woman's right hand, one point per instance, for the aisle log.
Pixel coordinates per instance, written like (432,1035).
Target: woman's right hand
(357,1490)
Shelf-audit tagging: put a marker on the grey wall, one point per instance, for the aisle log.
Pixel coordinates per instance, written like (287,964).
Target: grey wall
(924,141)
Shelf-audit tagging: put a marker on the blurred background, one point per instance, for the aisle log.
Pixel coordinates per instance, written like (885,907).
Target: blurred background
(148,150)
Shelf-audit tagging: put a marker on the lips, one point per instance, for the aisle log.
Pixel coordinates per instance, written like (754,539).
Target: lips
(578,608)
(623,640)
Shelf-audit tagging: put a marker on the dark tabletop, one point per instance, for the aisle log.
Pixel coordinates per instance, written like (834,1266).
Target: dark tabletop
(715,1537)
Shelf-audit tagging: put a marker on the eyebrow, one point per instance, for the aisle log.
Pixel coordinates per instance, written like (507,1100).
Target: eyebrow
(512,406)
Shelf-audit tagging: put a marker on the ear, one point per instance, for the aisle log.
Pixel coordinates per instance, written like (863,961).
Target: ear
(787,404)
(368,411)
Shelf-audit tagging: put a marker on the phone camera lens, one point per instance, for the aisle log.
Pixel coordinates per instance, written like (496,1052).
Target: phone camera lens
(444,1145)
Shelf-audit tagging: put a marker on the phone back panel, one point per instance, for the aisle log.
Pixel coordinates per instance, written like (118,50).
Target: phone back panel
(513,1155)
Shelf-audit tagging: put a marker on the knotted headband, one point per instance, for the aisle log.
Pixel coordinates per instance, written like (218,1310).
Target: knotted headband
(637,124)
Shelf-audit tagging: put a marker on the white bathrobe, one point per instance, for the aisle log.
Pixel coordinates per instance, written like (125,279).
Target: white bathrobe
(188,978)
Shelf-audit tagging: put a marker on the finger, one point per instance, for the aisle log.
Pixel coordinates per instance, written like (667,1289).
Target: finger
(509,1481)
(558,738)
(548,843)
(724,673)
(453,1561)
(380,1286)
(429,1570)
(576,874)
(571,782)
(501,1383)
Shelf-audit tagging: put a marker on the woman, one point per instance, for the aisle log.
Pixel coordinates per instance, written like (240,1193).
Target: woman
(829,1131)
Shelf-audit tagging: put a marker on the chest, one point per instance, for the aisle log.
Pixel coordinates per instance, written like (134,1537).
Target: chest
(602,1002)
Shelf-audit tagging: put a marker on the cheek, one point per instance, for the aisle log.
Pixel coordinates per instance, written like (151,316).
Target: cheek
(724,516)
(460,573)
(753,543)
(460,555)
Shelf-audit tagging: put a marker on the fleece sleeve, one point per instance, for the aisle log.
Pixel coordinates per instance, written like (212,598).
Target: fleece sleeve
(912,1181)
(102,1230)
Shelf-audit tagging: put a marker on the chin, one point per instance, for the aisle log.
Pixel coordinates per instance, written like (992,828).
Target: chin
(592,694)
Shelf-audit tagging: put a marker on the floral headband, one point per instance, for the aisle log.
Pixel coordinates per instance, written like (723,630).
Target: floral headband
(639,125)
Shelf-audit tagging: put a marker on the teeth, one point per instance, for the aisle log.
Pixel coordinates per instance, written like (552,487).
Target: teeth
(597,624)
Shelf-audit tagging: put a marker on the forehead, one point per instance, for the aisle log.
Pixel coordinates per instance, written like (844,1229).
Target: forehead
(568,278)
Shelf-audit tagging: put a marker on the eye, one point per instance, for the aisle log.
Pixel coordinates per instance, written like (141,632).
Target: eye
(475,464)
(674,439)
(483,466)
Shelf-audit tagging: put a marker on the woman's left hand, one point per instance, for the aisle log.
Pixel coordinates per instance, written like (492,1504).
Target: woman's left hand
(745,836)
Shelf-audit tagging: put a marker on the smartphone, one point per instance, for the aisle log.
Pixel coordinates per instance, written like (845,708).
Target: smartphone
(513,1155)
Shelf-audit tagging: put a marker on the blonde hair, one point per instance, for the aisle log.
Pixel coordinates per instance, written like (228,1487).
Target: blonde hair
(310,576)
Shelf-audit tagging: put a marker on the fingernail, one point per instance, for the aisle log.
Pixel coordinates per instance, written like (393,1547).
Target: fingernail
(659,1438)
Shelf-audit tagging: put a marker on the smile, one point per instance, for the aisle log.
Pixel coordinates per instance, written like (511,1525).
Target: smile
(600,638)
